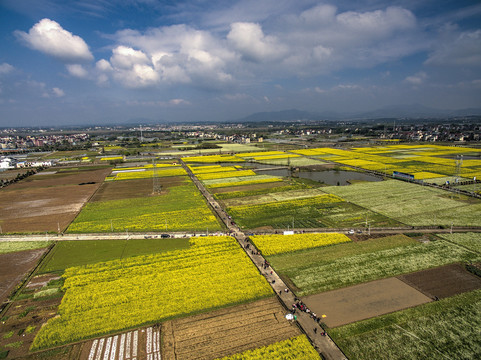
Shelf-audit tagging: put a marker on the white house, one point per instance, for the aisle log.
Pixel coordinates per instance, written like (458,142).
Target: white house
(7,163)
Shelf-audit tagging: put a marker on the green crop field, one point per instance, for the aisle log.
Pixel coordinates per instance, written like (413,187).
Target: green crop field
(311,257)
(469,240)
(14,246)
(75,253)
(283,186)
(412,204)
(314,212)
(368,266)
(445,329)
(182,208)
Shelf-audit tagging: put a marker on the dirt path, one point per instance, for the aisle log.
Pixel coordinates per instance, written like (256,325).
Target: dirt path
(323,344)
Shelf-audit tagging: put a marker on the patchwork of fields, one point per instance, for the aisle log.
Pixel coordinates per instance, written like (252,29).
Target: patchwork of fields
(178,207)
(384,296)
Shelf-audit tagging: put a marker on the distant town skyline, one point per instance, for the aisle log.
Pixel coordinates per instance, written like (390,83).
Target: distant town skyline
(95,61)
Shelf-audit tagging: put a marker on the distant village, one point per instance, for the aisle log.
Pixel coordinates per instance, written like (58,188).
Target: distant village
(15,143)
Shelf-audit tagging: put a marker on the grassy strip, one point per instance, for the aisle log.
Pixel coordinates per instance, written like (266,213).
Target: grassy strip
(448,328)
(14,246)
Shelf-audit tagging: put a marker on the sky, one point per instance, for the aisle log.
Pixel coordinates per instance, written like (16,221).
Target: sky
(72,62)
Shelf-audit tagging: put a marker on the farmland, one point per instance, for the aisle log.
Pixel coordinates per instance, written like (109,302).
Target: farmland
(213,273)
(180,208)
(312,212)
(277,244)
(412,204)
(66,254)
(297,348)
(47,202)
(228,331)
(448,327)
(367,264)
(14,246)
(202,295)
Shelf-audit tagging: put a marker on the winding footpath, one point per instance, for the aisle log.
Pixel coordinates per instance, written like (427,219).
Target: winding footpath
(322,343)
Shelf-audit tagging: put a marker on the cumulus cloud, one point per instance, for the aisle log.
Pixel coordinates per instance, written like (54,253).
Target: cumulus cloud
(6,68)
(319,40)
(58,92)
(77,70)
(253,44)
(416,79)
(174,54)
(50,38)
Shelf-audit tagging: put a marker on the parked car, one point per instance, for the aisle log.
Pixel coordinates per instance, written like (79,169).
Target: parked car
(164,236)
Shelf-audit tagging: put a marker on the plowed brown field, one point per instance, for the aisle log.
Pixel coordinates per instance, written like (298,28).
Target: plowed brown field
(444,281)
(227,331)
(43,203)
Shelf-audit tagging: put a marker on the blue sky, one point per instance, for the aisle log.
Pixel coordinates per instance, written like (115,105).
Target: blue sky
(68,62)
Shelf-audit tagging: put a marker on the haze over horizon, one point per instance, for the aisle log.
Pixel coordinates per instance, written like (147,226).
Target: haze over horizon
(91,61)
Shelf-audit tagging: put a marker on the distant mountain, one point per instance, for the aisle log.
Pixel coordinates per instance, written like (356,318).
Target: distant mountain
(287,115)
(412,111)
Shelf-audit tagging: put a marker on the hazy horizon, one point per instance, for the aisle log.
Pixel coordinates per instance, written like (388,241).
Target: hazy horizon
(93,62)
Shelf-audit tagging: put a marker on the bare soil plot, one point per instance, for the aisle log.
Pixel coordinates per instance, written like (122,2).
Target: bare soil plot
(14,267)
(364,301)
(226,331)
(62,177)
(48,203)
(127,189)
(444,281)
(11,174)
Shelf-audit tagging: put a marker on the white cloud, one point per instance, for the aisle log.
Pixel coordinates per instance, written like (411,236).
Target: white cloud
(172,55)
(179,102)
(250,41)
(416,79)
(58,92)
(458,49)
(6,68)
(124,57)
(317,41)
(77,70)
(50,38)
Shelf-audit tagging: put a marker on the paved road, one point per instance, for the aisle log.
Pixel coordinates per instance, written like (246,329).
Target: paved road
(323,344)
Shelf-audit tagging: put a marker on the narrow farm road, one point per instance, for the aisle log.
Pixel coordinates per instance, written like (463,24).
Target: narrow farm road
(323,343)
